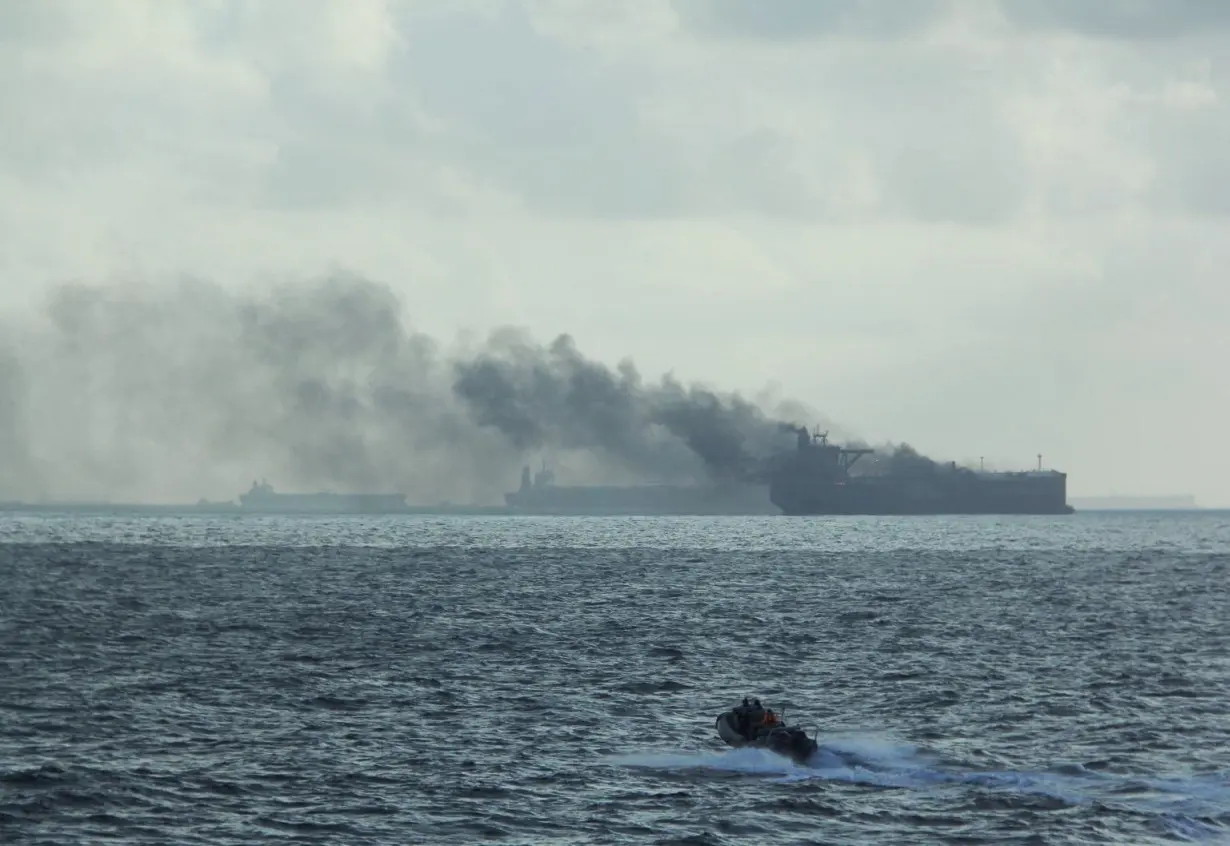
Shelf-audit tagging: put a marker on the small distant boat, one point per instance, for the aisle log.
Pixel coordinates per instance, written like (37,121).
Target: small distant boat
(752,725)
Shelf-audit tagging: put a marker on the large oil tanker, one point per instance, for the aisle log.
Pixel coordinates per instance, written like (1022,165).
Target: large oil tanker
(816,479)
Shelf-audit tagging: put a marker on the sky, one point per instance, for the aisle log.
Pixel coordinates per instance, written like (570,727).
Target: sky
(991,230)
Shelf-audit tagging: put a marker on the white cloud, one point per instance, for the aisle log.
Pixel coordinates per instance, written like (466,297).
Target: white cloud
(984,228)
(1135,19)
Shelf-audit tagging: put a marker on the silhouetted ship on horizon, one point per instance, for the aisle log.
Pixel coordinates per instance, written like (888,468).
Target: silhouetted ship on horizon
(263,498)
(540,495)
(815,479)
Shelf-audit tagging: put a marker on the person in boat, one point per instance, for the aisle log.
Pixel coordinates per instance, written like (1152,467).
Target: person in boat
(765,722)
(750,718)
(742,718)
(763,726)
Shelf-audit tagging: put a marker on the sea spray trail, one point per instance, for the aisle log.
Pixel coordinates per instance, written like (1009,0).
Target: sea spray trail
(1197,807)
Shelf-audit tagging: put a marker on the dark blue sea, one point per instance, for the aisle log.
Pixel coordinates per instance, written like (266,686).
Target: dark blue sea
(419,680)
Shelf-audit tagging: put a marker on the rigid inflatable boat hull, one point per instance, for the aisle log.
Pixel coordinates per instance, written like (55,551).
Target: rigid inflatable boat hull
(788,742)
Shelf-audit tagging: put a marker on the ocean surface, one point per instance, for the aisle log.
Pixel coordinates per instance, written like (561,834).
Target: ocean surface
(419,680)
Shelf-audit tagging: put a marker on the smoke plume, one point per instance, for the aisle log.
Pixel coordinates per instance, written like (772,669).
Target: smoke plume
(896,460)
(175,391)
(555,397)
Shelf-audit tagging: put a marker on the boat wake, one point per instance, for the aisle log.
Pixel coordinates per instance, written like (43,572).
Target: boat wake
(1190,807)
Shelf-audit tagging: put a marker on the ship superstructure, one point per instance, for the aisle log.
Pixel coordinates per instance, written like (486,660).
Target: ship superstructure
(816,478)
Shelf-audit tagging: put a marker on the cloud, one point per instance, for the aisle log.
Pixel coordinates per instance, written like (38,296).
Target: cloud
(790,20)
(910,216)
(561,132)
(793,20)
(1135,19)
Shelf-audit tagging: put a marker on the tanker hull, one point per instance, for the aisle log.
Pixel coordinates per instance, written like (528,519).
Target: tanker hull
(816,479)
(899,498)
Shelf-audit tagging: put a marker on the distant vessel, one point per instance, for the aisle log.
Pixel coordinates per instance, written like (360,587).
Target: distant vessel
(816,479)
(540,495)
(262,498)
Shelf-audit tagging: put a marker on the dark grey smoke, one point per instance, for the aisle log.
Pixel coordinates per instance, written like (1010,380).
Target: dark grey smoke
(187,389)
(174,391)
(897,460)
(887,459)
(16,462)
(555,397)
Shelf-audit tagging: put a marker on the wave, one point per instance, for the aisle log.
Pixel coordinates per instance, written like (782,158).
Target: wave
(1191,807)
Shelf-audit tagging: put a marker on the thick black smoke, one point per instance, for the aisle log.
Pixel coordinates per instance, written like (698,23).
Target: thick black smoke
(887,459)
(555,397)
(175,391)
(896,460)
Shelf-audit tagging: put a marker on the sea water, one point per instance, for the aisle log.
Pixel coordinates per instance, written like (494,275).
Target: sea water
(419,680)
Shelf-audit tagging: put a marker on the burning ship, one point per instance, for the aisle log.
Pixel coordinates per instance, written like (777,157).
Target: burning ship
(816,479)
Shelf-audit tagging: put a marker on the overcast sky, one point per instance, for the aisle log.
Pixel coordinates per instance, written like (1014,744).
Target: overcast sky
(986,229)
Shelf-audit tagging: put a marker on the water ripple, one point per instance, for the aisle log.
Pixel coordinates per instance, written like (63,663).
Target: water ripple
(559,686)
